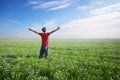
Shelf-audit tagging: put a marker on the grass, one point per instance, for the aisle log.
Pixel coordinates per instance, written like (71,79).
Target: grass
(68,60)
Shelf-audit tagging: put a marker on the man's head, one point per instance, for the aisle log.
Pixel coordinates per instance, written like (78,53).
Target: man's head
(44,29)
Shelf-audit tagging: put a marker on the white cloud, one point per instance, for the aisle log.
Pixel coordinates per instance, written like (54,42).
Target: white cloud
(99,26)
(12,21)
(97,2)
(50,23)
(46,5)
(102,25)
(36,26)
(93,4)
(59,7)
(50,5)
(108,9)
(33,2)
(85,7)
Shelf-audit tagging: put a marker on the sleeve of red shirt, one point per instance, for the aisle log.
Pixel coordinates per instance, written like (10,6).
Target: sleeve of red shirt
(39,33)
(48,33)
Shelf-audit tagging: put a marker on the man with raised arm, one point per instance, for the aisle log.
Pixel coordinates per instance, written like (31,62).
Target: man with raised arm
(45,40)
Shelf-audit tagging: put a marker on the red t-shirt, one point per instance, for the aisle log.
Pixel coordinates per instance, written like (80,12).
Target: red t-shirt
(44,37)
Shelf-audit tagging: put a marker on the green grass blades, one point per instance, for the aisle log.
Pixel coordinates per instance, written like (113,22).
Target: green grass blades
(68,60)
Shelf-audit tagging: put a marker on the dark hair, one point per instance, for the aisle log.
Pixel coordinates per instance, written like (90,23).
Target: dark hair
(44,29)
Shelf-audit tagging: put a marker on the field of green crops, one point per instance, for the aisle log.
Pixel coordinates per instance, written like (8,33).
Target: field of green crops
(68,60)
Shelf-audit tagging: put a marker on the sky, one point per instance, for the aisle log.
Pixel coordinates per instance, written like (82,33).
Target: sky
(77,18)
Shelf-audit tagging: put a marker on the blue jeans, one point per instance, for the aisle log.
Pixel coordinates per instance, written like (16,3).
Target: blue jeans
(44,49)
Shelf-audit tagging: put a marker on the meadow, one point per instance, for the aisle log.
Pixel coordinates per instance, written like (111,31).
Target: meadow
(93,59)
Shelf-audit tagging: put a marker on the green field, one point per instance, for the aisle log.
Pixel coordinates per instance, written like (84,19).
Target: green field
(68,60)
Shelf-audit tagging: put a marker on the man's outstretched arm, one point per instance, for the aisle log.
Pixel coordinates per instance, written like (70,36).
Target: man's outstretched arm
(55,30)
(33,30)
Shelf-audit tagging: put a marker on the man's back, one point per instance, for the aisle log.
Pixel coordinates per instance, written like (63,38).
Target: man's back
(45,37)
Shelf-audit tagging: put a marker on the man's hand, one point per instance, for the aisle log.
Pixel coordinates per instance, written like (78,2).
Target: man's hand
(55,30)
(33,30)
(58,28)
(30,29)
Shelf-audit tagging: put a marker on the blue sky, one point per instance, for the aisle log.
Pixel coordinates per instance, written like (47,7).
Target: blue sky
(77,18)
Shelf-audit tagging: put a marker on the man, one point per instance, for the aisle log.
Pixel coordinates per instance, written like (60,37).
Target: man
(45,40)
